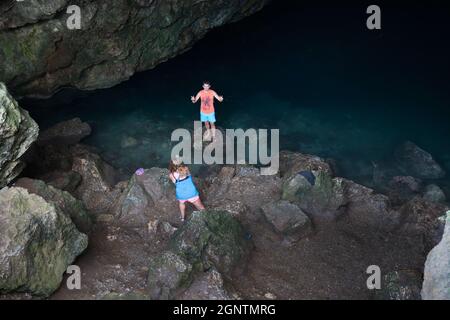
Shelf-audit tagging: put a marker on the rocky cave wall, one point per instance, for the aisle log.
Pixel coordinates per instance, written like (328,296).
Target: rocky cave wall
(117,38)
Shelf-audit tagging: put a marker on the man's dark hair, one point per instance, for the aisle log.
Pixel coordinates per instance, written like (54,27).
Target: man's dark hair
(207,83)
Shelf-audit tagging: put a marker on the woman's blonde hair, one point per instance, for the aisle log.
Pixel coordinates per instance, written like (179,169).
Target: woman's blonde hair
(173,167)
(183,170)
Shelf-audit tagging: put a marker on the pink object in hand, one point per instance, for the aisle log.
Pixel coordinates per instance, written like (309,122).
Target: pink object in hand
(140,171)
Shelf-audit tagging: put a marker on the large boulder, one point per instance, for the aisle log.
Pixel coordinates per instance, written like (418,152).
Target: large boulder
(243,184)
(316,192)
(400,285)
(65,201)
(403,188)
(208,239)
(65,133)
(150,195)
(436,284)
(212,238)
(98,178)
(416,162)
(292,163)
(288,219)
(236,208)
(168,275)
(134,206)
(308,181)
(158,187)
(421,218)
(37,243)
(40,54)
(17,132)
(208,285)
(364,208)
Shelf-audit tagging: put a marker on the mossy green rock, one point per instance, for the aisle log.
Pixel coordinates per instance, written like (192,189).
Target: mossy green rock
(400,285)
(168,273)
(37,243)
(17,132)
(324,197)
(211,238)
(70,206)
(207,239)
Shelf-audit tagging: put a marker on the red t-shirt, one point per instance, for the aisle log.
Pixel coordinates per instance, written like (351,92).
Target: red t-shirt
(207,101)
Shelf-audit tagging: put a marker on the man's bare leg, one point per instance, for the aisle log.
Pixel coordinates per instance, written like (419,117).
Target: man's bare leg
(208,130)
(213,127)
(182,210)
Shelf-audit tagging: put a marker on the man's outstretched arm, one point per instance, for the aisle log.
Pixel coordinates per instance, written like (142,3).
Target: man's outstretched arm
(195,99)
(220,98)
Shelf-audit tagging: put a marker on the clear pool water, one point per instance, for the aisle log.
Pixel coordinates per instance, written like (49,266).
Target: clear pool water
(331,86)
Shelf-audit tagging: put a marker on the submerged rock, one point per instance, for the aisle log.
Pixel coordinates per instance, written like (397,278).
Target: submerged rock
(128,142)
(434,193)
(418,163)
(65,201)
(436,284)
(116,39)
(207,239)
(17,132)
(65,133)
(37,243)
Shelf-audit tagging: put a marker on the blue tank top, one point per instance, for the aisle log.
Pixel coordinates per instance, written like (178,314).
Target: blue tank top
(185,189)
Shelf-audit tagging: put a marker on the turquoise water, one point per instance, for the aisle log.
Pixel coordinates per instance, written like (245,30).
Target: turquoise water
(332,87)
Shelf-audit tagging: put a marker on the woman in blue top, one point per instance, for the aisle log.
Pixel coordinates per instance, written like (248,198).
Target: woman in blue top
(184,186)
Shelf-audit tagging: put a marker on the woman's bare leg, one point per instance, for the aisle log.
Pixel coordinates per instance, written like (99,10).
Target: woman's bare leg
(182,210)
(198,204)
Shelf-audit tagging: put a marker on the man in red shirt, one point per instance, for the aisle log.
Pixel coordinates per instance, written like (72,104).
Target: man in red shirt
(207,113)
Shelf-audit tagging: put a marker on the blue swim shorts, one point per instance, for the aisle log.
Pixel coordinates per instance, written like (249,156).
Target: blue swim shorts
(210,117)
